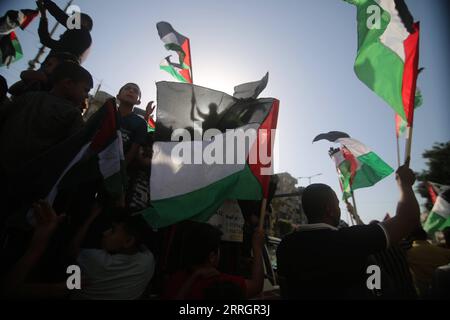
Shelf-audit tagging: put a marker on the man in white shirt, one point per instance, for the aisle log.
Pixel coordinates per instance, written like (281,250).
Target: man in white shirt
(122,268)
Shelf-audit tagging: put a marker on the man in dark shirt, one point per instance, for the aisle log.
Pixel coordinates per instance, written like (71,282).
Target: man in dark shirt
(75,41)
(320,261)
(132,126)
(37,121)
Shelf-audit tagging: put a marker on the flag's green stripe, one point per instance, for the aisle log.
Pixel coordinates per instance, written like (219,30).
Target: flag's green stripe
(201,204)
(380,68)
(436,222)
(173,72)
(372,170)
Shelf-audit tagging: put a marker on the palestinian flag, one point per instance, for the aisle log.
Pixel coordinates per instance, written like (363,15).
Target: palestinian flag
(10,49)
(343,169)
(93,154)
(192,178)
(434,189)
(357,165)
(174,41)
(388,52)
(439,218)
(16,18)
(151,124)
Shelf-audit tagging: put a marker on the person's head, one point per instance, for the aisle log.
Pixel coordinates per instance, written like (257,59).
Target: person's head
(321,204)
(223,290)
(128,232)
(55,59)
(72,82)
(201,245)
(130,94)
(3,88)
(86,22)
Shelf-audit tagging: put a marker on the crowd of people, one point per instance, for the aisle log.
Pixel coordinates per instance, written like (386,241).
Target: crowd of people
(121,257)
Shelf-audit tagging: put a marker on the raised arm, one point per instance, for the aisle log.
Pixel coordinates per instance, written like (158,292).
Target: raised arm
(46,223)
(75,245)
(407,217)
(256,283)
(56,12)
(44,35)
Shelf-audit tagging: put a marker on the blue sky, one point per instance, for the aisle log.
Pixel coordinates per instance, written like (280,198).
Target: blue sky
(308,47)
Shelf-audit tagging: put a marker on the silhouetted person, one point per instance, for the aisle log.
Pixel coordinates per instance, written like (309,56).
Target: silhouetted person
(320,261)
(76,41)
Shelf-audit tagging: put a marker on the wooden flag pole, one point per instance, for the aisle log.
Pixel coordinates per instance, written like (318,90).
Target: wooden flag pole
(357,219)
(398,150)
(351,218)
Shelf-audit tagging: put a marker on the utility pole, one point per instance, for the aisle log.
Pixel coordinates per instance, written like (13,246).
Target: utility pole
(32,63)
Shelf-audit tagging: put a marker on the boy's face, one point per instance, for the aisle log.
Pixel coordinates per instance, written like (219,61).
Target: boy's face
(129,94)
(77,92)
(116,239)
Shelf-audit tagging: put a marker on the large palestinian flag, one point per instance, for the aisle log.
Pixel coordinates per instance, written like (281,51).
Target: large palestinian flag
(93,154)
(357,165)
(175,41)
(192,177)
(388,52)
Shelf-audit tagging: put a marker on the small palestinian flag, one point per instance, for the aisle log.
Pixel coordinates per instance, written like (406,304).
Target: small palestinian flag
(16,18)
(151,125)
(10,49)
(439,218)
(388,52)
(357,165)
(174,41)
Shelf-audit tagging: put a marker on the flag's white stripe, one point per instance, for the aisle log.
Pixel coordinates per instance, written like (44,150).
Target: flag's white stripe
(171,177)
(338,158)
(395,33)
(110,157)
(354,146)
(170,38)
(441,207)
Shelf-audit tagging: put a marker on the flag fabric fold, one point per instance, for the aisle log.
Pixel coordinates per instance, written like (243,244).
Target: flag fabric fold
(251,89)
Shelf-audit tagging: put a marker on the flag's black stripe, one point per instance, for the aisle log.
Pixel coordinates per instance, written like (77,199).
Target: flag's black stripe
(179,105)
(405,15)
